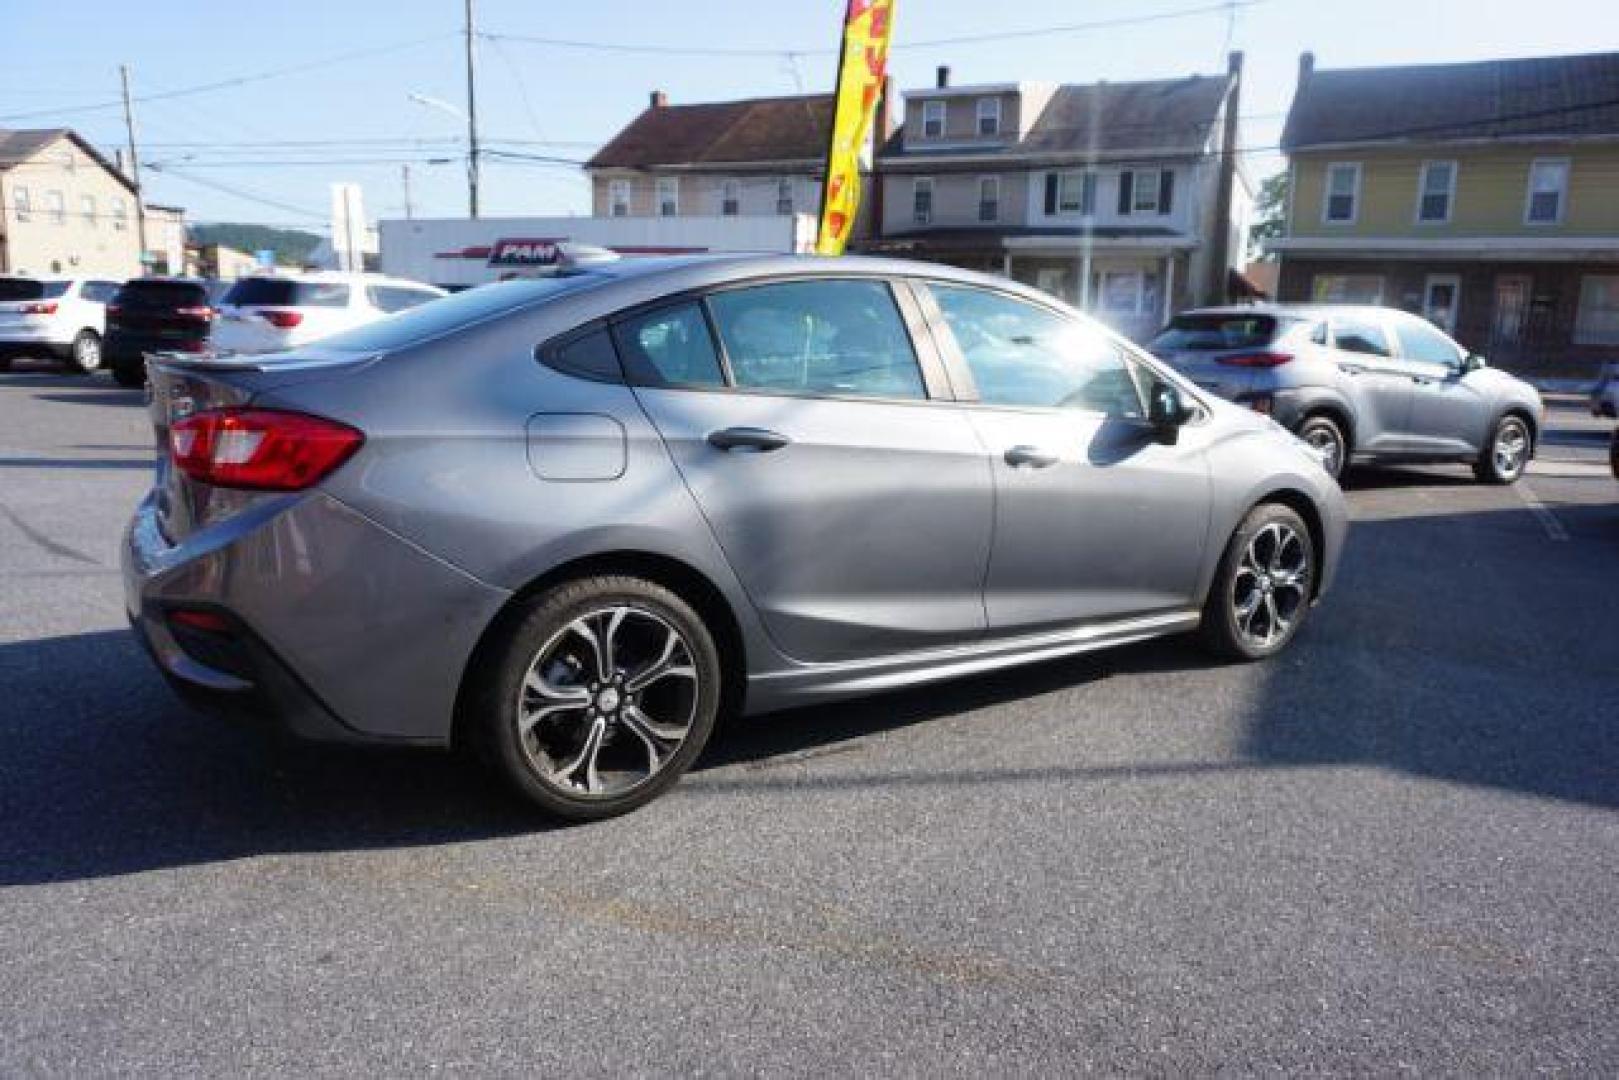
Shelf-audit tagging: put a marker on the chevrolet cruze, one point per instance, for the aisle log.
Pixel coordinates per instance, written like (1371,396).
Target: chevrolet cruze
(571,522)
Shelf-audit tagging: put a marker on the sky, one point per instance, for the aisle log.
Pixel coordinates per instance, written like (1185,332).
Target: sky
(267,149)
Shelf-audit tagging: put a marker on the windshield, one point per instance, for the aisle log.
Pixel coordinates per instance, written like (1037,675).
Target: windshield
(165,294)
(28,289)
(437,317)
(1212,333)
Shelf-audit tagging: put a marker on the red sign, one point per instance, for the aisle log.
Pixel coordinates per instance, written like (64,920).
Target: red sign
(525,252)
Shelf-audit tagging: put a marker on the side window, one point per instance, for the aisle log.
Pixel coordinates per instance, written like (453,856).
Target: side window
(818,337)
(1421,342)
(1025,355)
(1360,336)
(391,298)
(669,347)
(589,356)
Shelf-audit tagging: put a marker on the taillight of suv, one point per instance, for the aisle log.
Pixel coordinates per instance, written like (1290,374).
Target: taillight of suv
(260,449)
(1264,358)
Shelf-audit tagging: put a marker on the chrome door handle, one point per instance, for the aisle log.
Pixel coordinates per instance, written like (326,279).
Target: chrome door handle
(1031,456)
(748,439)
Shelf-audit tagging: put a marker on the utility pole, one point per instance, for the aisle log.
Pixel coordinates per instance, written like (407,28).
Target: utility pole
(135,166)
(404,173)
(472,119)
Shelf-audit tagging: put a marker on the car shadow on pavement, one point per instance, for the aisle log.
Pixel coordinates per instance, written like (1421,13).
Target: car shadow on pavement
(98,397)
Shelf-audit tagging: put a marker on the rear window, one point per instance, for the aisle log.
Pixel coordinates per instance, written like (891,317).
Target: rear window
(162,294)
(28,289)
(1213,333)
(451,313)
(287,292)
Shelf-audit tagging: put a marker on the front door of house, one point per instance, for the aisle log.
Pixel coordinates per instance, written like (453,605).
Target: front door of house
(1511,310)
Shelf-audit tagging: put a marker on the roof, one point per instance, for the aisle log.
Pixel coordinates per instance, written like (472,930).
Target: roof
(1554,96)
(1165,116)
(17,146)
(754,130)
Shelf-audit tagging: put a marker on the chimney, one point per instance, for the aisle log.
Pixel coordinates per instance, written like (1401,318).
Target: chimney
(659,99)
(1234,62)
(943,77)
(1306,66)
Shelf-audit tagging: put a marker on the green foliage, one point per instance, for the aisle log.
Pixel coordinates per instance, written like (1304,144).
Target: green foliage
(1270,213)
(291,246)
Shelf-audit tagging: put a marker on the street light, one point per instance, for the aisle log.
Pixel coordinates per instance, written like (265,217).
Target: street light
(472,143)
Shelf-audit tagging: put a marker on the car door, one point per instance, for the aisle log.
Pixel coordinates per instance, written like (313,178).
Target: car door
(1450,409)
(1095,520)
(1378,384)
(854,506)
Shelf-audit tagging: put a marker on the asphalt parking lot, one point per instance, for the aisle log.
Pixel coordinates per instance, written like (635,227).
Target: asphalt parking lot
(1394,848)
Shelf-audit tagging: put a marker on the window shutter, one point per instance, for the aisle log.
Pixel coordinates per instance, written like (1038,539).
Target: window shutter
(1126,190)
(1051,193)
(1166,190)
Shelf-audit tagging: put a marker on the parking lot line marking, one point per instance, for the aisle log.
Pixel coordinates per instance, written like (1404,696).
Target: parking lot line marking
(1548,520)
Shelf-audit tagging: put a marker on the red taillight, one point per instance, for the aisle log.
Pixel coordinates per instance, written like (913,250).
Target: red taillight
(1257,359)
(204,313)
(210,622)
(283,320)
(260,449)
(114,309)
(40,309)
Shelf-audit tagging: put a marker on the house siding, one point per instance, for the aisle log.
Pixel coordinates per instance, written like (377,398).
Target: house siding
(701,193)
(1492,184)
(40,245)
(961,119)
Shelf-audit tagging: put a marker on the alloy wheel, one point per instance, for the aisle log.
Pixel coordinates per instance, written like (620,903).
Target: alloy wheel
(607,702)
(1325,442)
(87,352)
(1271,585)
(1511,448)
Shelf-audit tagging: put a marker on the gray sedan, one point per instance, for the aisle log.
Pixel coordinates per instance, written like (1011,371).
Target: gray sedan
(1361,384)
(572,522)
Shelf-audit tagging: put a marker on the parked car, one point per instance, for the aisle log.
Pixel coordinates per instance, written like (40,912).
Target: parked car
(271,313)
(1605,395)
(1613,453)
(572,521)
(62,317)
(150,315)
(1361,384)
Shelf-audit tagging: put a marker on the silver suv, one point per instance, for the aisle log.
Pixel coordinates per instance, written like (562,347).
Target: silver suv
(1361,384)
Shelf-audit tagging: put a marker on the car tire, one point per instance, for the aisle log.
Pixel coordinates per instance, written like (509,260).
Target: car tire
(1324,436)
(130,373)
(1506,452)
(85,353)
(572,734)
(1262,589)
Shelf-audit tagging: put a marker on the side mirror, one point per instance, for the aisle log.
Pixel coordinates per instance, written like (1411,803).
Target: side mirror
(1472,362)
(1165,413)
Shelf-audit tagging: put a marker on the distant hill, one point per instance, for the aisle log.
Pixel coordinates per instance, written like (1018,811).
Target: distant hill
(291,246)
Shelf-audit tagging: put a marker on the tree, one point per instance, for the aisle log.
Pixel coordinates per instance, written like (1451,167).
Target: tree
(1270,214)
(291,246)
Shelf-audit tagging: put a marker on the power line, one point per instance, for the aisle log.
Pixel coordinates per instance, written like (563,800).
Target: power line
(240,80)
(247,196)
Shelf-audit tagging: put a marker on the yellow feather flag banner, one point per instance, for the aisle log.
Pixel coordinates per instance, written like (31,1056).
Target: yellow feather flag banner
(867,27)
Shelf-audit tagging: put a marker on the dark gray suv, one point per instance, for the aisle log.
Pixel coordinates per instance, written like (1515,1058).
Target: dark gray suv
(1361,384)
(571,522)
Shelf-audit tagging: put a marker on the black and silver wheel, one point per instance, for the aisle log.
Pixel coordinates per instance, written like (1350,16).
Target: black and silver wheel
(605,692)
(1261,593)
(85,352)
(1323,435)
(1506,455)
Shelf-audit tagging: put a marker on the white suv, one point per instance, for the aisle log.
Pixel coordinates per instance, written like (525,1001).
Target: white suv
(64,317)
(281,311)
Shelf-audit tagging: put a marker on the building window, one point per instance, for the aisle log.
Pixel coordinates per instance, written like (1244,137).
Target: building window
(1436,191)
(120,215)
(1071,193)
(784,196)
(1548,187)
(1343,193)
(1597,321)
(668,196)
(87,210)
(730,198)
(922,200)
(618,198)
(1128,292)
(55,208)
(19,202)
(1144,199)
(989,116)
(1347,289)
(989,198)
(932,119)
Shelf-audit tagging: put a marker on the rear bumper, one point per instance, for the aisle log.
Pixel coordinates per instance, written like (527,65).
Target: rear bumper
(45,335)
(339,630)
(120,345)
